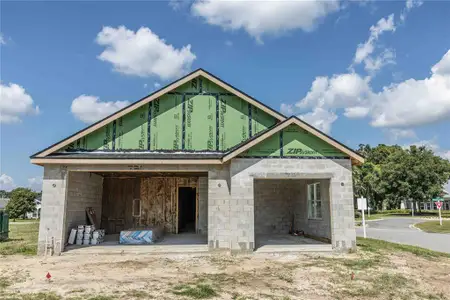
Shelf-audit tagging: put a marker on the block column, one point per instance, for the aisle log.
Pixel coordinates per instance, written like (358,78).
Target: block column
(219,208)
(53,210)
(343,234)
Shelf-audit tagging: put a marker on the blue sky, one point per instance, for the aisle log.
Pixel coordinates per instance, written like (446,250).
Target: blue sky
(365,72)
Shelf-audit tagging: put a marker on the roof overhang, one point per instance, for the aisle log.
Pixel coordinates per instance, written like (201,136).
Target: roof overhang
(103,161)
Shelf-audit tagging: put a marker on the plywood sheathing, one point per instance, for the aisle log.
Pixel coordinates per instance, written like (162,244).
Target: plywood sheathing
(118,195)
(159,201)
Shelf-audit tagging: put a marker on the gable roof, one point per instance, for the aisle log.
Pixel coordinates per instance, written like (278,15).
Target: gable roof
(156,95)
(355,157)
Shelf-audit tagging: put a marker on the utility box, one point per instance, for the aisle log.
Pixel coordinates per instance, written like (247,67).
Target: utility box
(4,226)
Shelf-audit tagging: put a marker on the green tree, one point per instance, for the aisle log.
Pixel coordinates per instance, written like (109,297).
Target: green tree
(392,174)
(4,194)
(21,202)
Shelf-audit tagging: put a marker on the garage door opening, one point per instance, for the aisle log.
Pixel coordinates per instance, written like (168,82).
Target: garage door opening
(154,208)
(186,209)
(292,213)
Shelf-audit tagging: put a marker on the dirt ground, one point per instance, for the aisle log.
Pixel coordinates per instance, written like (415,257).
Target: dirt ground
(400,275)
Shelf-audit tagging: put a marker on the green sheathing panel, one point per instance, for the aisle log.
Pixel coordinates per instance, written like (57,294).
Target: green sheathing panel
(299,142)
(268,147)
(233,122)
(260,120)
(200,126)
(166,123)
(131,130)
(293,141)
(197,116)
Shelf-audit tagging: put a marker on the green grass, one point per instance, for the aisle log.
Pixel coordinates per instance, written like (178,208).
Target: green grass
(198,291)
(401,213)
(434,226)
(24,220)
(378,246)
(22,239)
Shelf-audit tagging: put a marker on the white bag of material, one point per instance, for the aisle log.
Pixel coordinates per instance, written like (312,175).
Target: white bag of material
(79,242)
(86,242)
(94,242)
(72,236)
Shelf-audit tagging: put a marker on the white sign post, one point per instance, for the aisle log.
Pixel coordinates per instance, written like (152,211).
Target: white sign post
(362,205)
(439,206)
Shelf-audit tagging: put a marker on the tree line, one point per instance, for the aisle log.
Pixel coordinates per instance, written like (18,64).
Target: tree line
(391,174)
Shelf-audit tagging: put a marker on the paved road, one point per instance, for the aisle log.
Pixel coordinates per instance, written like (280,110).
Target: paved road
(398,230)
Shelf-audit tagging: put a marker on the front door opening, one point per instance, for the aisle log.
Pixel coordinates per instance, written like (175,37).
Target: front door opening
(186,209)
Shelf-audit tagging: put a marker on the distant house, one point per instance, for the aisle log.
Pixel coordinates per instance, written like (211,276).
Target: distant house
(429,205)
(3,202)
(36,214)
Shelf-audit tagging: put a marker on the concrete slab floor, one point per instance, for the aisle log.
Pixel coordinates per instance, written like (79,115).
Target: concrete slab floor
(171,243)
(289,243)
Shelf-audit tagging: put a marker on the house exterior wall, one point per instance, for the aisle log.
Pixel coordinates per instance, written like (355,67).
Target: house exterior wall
(226,198)
(337,171)
(84,190)
(54,192)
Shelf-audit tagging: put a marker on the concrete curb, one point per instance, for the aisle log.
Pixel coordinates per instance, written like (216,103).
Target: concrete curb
(413,226)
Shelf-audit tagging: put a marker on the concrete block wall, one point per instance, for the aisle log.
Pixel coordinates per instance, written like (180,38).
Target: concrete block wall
(84,190)
(243,171)
(52,224)
(219,230)
(315,227)
(202,226)
(274,205)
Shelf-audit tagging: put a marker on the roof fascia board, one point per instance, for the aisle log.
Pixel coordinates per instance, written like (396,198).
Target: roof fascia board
(96,161)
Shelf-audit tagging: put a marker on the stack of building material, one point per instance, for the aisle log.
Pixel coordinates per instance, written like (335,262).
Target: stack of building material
(97,236)
(141,236)
(86,235)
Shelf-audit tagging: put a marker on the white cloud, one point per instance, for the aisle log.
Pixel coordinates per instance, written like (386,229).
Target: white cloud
(35,183)
(157,85)
(406,104)
(2,39)
(415,102)
(14,103)
(6,183)
(430,144)
(364,51)
(287,109)
(341,90)
(90,109)
(143,53)
(443,66)
(228,43)
(258,18)
(410,4)
(356,112)
(397,134)
(320,118)
(386,57)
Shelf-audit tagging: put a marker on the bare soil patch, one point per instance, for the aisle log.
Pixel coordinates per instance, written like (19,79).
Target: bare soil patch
(377,275)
